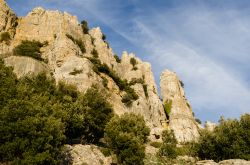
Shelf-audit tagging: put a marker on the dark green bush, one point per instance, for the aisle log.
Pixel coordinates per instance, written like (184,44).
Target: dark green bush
(133,61)
(97,114)
(85,27)
(77,42)
(126,136)
(198,120)
(30,49)
(229,140)
(117,58)
(5,36)
(104,37)
(76,71)
(168,147)
(94,53)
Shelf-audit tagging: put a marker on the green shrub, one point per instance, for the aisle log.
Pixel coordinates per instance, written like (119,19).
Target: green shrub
(168,147)
(97,114)
(126,136)
(30,49)
(106,151)
(5,36)
(229,140)
(182,84)
(76,71)
(85,28)
(94,53)
(77,42)
(104,37)
(122,84)
(167,107)
(198,120)
(133,61)
(117,58)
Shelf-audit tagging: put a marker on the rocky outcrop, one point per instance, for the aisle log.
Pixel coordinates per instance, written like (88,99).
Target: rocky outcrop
(64,56)
(210,126)
(181,119)
(7,17)
(224,162)
(86,155)
(25,65)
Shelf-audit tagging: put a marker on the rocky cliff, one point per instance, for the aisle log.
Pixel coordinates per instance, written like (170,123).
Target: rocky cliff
(69,49)
(181,119)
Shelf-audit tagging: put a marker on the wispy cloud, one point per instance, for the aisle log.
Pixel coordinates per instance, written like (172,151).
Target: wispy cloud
(207,44)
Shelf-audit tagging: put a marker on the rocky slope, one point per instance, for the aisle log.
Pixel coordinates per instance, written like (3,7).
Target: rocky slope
(64,55)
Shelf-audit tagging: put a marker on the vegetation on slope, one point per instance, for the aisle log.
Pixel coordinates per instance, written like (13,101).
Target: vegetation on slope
(30,49)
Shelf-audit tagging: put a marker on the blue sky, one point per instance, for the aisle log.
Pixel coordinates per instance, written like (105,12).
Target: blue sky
(206,42)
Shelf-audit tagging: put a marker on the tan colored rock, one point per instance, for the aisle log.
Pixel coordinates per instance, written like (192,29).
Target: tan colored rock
(210,126)
(150,107)
(25,65)
(45,25)
(206,162)
(87,155)
(234,162)
(7,17)
(181,119)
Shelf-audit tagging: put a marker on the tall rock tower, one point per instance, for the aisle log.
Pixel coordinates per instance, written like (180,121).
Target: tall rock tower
(181,119)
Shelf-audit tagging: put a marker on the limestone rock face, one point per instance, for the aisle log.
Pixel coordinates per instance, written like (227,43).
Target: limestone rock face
(25,65)
(149,106)
(210,126)
(181,119)
(87,155)
(45,25)
(7,17)
(64,57)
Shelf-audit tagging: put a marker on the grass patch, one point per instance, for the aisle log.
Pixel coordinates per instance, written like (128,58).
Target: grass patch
(167,107)
(156,144)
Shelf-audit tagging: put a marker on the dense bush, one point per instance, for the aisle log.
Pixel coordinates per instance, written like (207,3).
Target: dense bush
(5,36)
(77,42)
(38,117)
(229,140)
(30,49)
(85,27)
(168,147)
(126,135)
(97,114)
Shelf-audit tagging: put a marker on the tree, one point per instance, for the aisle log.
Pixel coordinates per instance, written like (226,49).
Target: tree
(85,27)
(97,114)
(8,83)
(168,147)
(126,135)
(229,140)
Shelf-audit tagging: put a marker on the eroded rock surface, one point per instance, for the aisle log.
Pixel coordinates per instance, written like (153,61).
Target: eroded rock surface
(181,119)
